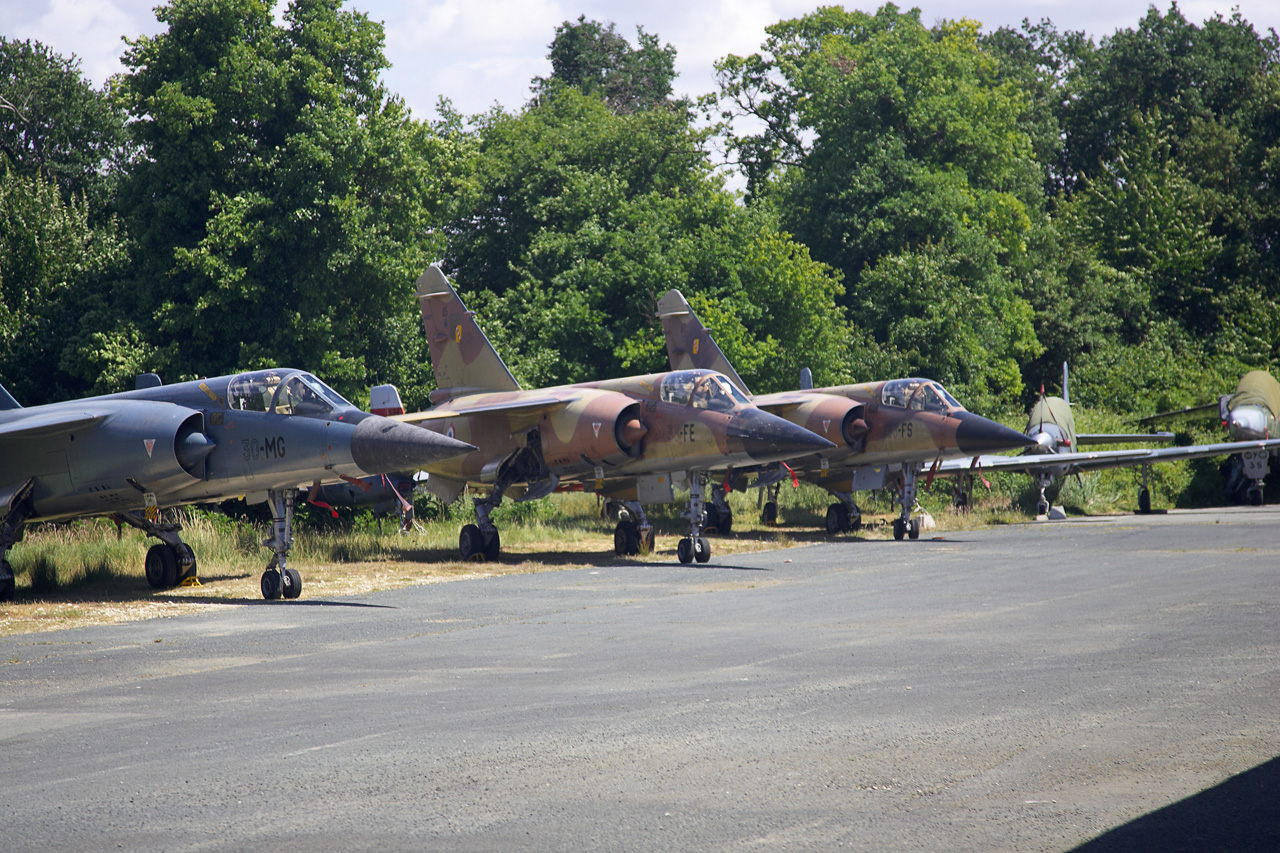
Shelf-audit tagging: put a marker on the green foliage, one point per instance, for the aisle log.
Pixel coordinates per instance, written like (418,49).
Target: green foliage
(54,124)
(282,198)
(595,60)
(575,220)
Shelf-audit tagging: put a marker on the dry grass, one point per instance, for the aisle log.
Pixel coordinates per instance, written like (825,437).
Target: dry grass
(87,574)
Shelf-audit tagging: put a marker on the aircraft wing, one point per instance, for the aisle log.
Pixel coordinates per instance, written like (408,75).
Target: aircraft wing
(524,408)
(1177,413)
(1121,438)
(1062,464)
(49,423)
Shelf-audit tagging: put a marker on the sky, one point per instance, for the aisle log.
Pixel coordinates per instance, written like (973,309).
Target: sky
(480,52)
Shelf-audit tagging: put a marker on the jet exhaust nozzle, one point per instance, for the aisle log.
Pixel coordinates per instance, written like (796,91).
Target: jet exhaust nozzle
(976,435)
(768,438)
(381,446)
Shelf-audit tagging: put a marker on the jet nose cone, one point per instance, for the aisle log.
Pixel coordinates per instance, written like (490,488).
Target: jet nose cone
(976,435)
(769,438)
(380,446)
(1247,424)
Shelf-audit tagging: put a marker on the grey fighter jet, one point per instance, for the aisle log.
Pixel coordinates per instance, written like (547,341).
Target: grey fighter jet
(131,455)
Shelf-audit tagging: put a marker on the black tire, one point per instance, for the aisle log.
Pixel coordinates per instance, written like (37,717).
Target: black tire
(1042,508)
(770,514)
(161,566)
(701,549)
(492,546)
(833,519)
(620,539)
(1144,501)
(1254,496)
(7,582)
(725,524)
(186,561)
(684,551)
(292,583)
(899,529)
(272,585)
(470,543)
(913,529)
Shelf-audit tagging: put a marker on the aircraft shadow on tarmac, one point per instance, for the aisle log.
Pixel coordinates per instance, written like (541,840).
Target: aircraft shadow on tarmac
(1242,813)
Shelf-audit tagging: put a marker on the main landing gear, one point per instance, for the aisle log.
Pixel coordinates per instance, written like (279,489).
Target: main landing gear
(279,581)
(695,546)
(905,525)
(719,514)
(171,561)
(843,516)
(634,534)
(1043,481)
(769,515)
(17,509)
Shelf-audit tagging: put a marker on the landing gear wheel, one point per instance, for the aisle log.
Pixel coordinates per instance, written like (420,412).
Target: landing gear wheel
(701,549)
(470,542)
(684,550)
(1042,508)
(913,528)
(724,521)
(626,539)
(647,540)
(899,529)
(292,582)
(272,585)
(1144,501)
(492,546)
(1254,496)
(770,514)
(856,523)
(834,522)
(161,566)
(7,582)
(186,561)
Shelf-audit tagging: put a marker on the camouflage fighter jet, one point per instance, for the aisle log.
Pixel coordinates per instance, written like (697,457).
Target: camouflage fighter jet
(131,455)
(1249,414)
(627,439)
(901,427)
(1052,425)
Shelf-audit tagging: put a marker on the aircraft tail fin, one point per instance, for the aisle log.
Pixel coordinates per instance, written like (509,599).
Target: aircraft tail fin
(1066,394)
(463,359)
(806,379)
(384,400)
(6,401)
(689,344)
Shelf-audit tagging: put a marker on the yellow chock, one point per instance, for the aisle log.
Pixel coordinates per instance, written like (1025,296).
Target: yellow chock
(191,581)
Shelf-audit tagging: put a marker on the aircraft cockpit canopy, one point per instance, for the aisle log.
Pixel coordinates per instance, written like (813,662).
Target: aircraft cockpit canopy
(702,389)
(920,395)
(294,393)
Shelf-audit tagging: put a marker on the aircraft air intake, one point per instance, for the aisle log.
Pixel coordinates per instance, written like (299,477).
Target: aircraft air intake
(381,446)
(192,446)
(630,434)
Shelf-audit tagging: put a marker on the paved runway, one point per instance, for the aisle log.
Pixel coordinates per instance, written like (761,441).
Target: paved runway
(1108,683)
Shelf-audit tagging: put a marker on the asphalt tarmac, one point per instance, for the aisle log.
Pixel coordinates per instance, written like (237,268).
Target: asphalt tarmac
(1106,684)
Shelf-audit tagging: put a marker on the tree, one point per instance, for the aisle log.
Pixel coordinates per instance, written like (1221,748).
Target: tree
(574,220)
(898,155)
(54,123)
(594,59)
(282,198)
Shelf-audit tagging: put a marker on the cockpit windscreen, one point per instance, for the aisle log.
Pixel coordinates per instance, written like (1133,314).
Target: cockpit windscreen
(921,395)
(702,389)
